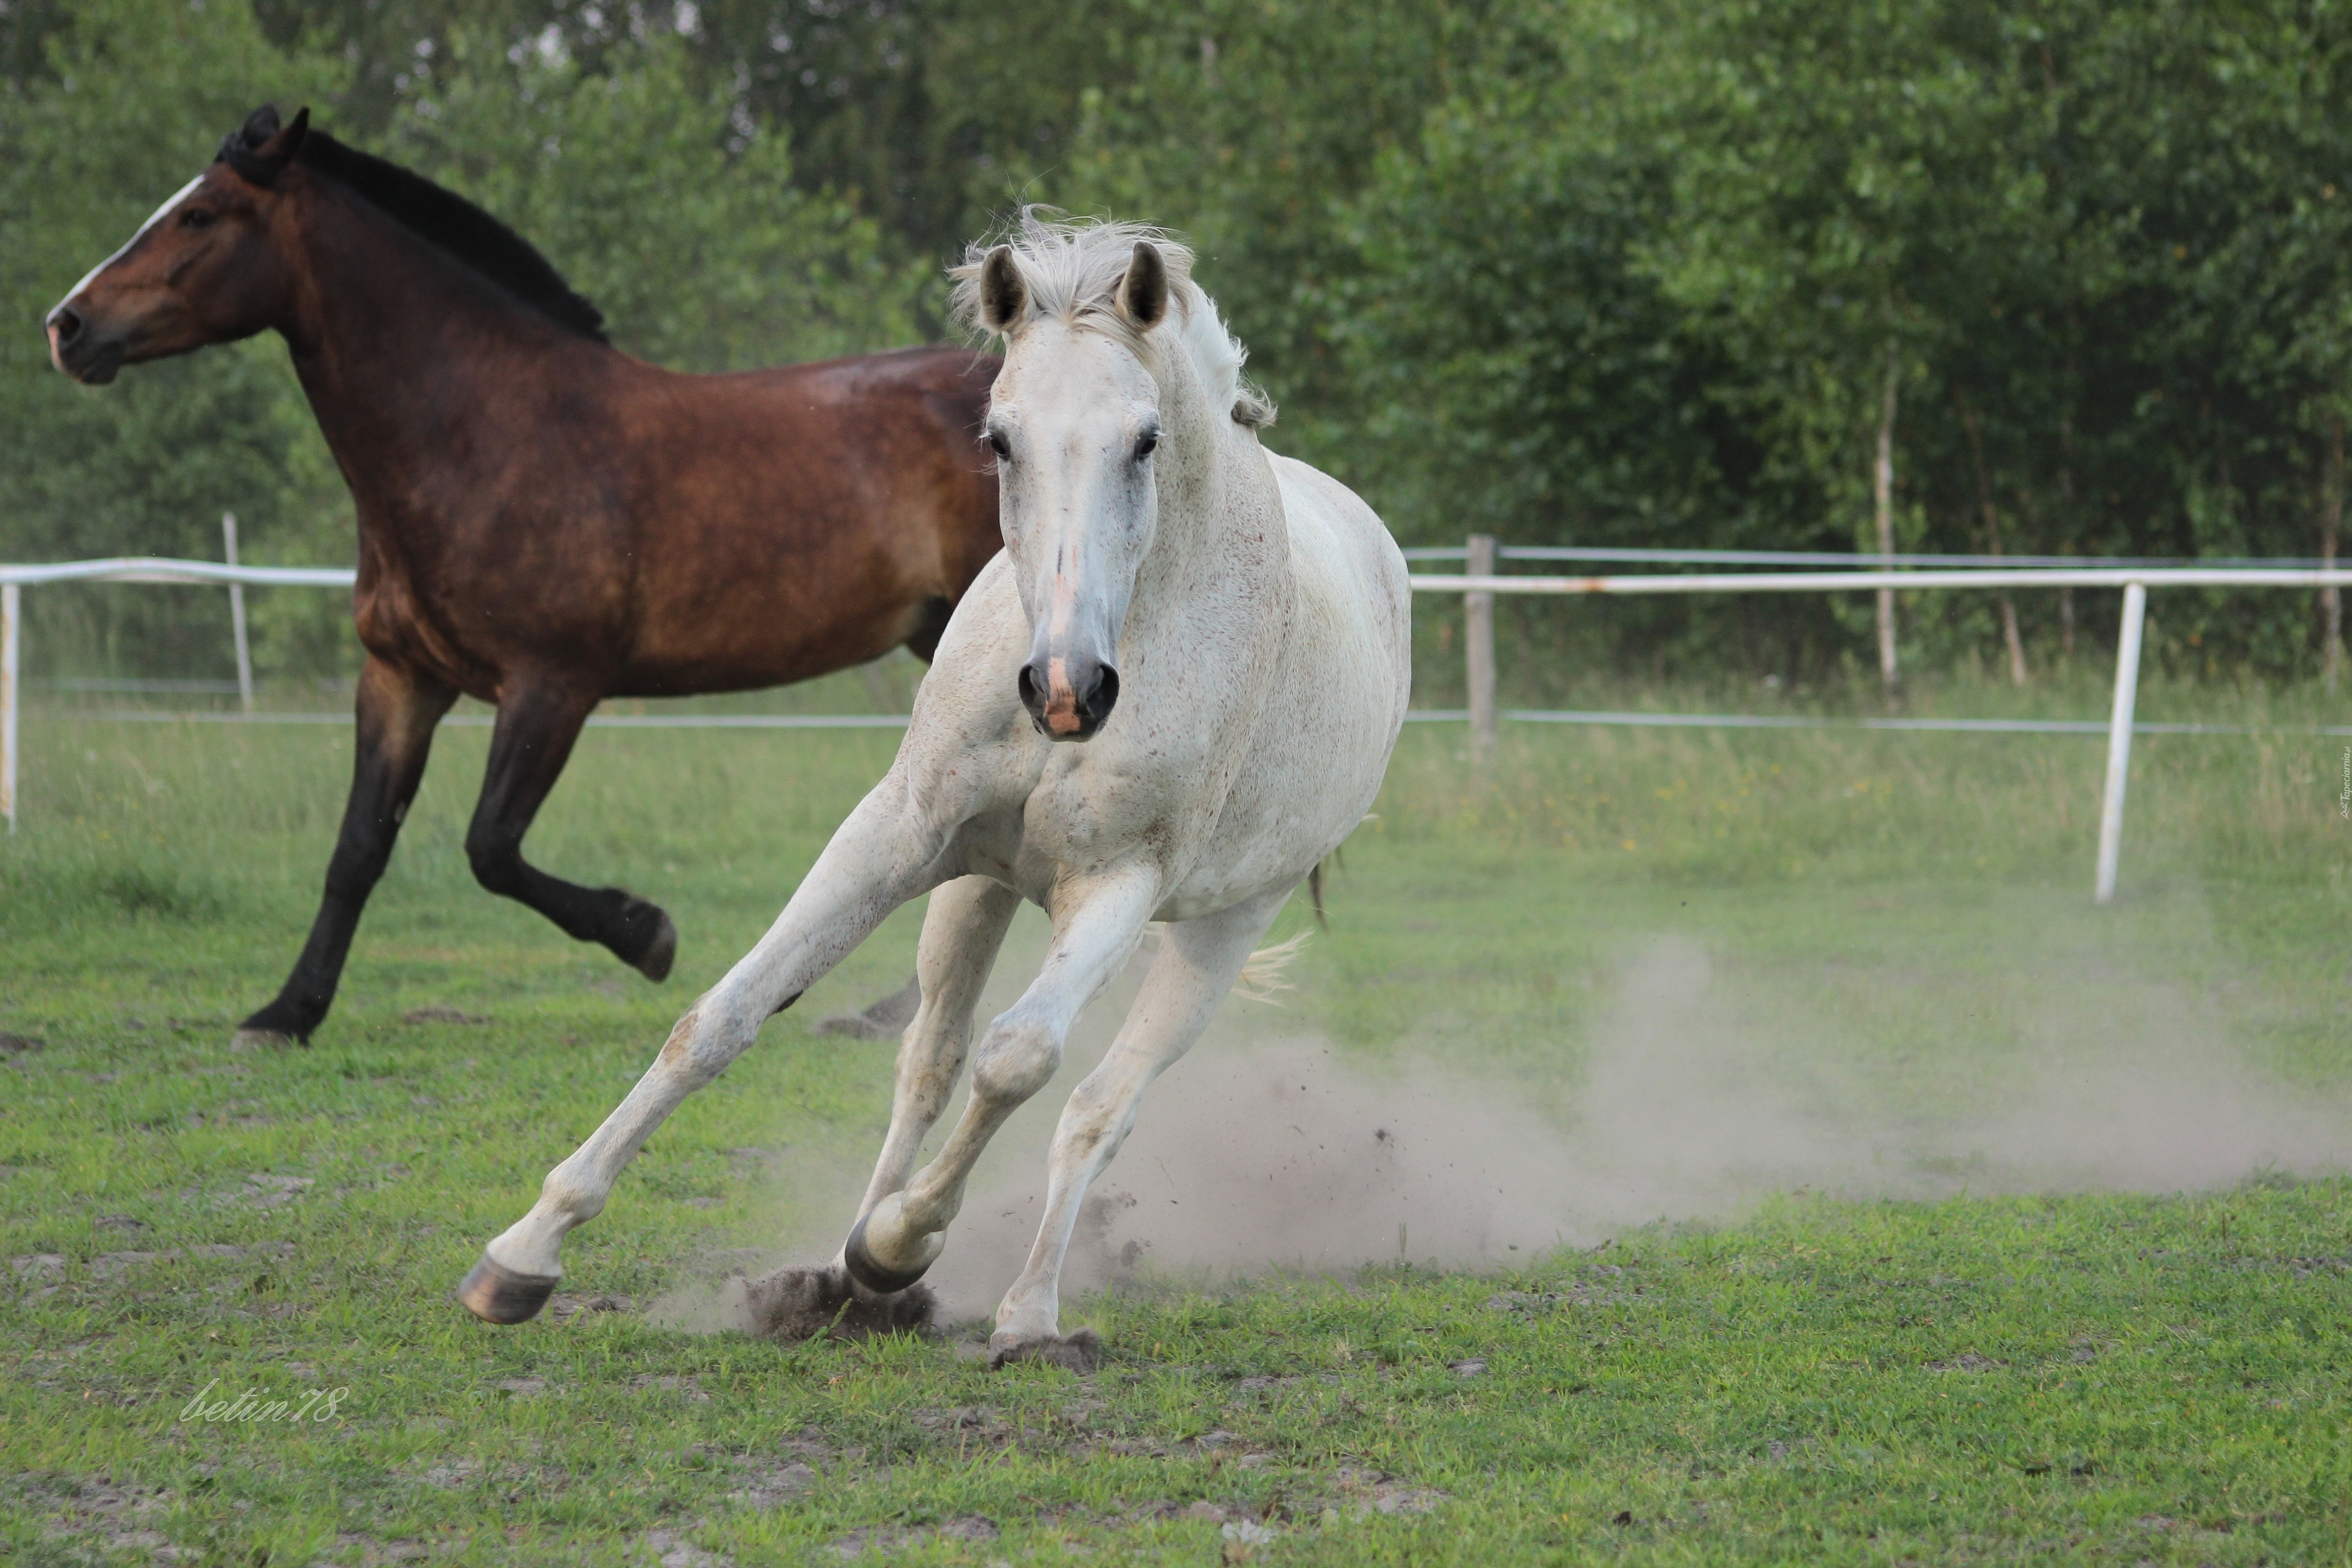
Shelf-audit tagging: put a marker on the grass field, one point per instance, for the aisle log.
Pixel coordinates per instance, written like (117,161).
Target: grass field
(1874,1197)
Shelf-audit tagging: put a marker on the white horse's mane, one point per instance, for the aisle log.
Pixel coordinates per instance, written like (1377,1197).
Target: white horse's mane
(1073,268)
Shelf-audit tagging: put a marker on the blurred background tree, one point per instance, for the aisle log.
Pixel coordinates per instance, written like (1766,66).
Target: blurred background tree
(1562,271)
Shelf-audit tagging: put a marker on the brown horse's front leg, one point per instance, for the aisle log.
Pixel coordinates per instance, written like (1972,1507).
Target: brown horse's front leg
(396,711)
(533,740)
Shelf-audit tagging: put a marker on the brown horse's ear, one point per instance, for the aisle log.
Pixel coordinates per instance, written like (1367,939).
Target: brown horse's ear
(261,148)
(1003,296)
(1143,293)
(287,145)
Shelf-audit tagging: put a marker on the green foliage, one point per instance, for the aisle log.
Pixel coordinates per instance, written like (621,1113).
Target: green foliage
(138,94)
(1559,270)
(701,256)
(638,183)
(2102,235)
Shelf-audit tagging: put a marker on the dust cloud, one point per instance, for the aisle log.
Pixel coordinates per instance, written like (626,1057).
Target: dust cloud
(1268,1148)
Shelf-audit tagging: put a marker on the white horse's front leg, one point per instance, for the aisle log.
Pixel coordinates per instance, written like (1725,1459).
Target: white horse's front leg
(962,933)
(1196,966)
(877,859)
(1095,931)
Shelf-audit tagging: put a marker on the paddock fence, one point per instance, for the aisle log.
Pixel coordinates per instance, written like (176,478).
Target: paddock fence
(1477,585)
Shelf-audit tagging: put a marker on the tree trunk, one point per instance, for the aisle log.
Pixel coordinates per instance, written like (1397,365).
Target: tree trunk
(1883,499)
(2331,523)
(2017,674)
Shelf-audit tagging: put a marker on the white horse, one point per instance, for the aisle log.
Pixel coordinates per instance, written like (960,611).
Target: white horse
(1225,630)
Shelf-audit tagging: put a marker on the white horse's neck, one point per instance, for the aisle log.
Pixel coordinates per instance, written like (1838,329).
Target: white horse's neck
(1219,528)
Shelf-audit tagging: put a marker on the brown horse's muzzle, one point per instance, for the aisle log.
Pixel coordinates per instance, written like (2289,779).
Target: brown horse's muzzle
(1068,695)
(76,347)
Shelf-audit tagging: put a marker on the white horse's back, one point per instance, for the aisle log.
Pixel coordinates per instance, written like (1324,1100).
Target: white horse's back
(1352,583)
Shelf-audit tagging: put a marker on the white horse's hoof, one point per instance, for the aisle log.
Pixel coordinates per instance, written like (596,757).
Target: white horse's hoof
(1081,1351)
(261,1040)
(872,1272)
(499,1295)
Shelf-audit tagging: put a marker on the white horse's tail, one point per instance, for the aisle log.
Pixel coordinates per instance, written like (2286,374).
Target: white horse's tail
(1263,978)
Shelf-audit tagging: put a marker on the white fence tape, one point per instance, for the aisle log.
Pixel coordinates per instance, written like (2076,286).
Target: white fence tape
(2134,579)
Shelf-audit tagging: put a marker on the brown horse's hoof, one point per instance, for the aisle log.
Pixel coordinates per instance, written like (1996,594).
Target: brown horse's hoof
(796,1304)
(885,1020)
(251,1039)
(868,1271)
(497,1296)
(660,954)
(1081,1351)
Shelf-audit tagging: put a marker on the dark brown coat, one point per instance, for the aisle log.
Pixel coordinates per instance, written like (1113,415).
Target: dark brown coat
(544,521)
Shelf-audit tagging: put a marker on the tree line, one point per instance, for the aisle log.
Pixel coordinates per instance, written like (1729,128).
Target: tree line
(1679,272)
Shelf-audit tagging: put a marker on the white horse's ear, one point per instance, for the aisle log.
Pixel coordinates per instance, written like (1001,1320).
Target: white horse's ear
(1143,293)
(1003,296)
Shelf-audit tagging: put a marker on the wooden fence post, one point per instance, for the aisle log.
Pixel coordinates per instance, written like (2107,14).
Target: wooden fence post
(2119,740)
(11,605)
(1478,645)
(237,617)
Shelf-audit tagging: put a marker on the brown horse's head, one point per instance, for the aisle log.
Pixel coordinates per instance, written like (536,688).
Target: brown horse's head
(206,269)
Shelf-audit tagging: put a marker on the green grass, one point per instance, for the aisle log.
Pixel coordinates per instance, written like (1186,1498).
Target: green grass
(1653,943)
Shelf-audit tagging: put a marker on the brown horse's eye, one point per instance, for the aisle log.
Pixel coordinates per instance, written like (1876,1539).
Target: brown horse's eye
(195,217)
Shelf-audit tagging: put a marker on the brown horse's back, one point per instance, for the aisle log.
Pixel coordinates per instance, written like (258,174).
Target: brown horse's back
(778,508)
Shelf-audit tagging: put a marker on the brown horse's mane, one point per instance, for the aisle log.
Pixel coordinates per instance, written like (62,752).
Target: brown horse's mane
(441,218)
(447,220)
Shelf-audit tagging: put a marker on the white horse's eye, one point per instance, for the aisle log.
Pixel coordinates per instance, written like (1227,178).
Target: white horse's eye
(999,445)
(1145,443)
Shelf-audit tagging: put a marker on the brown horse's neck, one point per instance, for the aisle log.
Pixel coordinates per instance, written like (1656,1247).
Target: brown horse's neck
(401,350)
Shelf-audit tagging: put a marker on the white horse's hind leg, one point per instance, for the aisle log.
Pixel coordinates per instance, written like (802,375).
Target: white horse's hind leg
(1095,932)
(1197,964)
(874,863)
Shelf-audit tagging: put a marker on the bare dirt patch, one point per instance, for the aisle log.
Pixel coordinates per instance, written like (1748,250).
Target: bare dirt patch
(564,1308)
(972,1529)
(114,1516)
(266,1190)
(686,1388)
(767,1485)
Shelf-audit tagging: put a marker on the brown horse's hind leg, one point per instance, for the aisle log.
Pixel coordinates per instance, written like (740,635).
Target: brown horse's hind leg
(528,751)
(396,713)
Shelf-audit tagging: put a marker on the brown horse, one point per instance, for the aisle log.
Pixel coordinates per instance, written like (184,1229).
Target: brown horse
(543,521)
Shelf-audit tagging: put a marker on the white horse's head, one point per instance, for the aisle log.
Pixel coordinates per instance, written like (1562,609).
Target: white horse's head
(1079,418)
